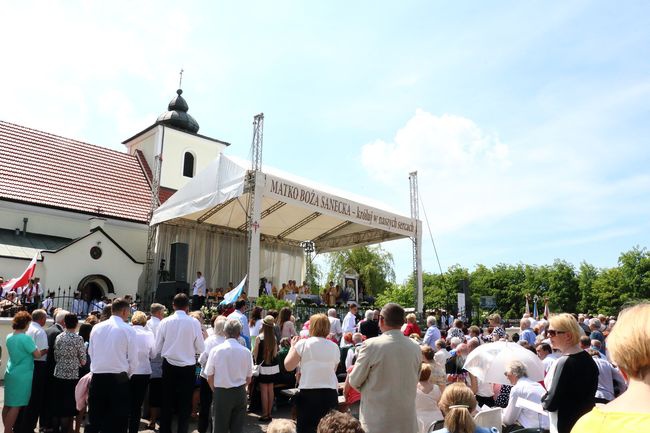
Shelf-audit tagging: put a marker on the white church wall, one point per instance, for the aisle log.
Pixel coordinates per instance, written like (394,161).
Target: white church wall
(131,236)
(10,267)
(146,144)
(176,143)
(58,270)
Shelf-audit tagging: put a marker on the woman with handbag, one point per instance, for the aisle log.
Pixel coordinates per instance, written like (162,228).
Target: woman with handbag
(318,359)
(265,354)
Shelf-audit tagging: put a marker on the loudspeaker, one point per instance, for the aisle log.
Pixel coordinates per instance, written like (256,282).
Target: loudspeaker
(178,262)
(463,287)
(168,289)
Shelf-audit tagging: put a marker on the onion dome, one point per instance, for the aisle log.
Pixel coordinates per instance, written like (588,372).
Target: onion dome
(176,115)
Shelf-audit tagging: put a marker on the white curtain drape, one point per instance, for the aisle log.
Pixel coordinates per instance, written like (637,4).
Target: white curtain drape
(222,257)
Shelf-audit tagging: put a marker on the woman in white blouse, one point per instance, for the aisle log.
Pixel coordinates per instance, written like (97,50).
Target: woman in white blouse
(318,359)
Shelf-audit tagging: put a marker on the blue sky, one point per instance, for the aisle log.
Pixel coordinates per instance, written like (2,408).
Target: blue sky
(527,121)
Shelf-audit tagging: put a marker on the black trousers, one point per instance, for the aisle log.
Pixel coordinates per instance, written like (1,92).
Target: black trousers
(177,389)
(109,403)
(197,302)
(138,386)
(46,417)
(205,407)
(312,405)
(30,413)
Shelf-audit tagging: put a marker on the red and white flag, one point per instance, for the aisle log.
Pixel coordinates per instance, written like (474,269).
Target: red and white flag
(21,281)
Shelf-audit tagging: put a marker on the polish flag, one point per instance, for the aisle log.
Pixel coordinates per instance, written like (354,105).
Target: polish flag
(21,281)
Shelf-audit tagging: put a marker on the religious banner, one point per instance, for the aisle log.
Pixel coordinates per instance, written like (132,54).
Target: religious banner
(338,207)
(351,286)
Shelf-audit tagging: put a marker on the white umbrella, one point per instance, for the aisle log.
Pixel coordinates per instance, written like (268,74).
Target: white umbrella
(488,362)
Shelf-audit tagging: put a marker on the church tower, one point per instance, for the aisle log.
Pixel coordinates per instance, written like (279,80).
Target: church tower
(174,137)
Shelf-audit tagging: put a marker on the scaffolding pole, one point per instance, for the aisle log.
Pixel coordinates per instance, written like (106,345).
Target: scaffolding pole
(417,241)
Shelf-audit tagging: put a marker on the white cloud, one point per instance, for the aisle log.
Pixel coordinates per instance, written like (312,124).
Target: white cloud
(67,59)
(556,187)
(464,173)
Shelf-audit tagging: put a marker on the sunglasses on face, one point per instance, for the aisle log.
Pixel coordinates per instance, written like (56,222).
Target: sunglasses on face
(553,332)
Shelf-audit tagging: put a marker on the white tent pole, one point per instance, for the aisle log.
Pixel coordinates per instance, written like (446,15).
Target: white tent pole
(254,235)
(418,261)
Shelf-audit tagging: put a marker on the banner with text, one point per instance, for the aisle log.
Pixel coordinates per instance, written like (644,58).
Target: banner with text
(329,204)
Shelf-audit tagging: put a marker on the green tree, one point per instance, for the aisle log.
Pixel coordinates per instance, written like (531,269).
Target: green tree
(507,285)
(587,276)
(610,291)
(563,286)
(635,266)
(314,277)
(402,295)
(374,265)
(437,290)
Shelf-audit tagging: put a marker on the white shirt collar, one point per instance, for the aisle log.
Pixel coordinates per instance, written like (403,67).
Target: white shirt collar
(118,320)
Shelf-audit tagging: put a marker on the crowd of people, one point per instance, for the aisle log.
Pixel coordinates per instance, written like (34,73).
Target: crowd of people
(382,373)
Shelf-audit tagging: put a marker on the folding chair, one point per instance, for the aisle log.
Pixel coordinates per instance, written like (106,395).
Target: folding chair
(489,418)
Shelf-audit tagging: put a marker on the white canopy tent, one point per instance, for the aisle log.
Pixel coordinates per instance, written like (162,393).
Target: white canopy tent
(286,209)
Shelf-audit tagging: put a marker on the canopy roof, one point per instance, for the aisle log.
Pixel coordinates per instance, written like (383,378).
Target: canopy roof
(292,209)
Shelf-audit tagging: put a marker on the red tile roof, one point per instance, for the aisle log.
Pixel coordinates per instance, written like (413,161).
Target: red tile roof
(49,170)
(164,193)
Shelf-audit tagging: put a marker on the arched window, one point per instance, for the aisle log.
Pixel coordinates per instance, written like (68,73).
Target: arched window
(188,165)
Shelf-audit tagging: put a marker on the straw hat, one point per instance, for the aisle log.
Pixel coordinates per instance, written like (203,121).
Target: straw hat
(268,321)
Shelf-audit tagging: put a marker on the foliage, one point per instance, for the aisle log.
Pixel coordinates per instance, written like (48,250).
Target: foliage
(402,295)
(314,275)
(374,265)
(271,303)
(585,289)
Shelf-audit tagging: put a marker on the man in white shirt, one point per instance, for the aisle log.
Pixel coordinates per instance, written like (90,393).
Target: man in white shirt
(198,292)
(31,293)
(335,324)
(546,355)
(179,339)
(155,381)
(205,398)
(157,314)
(523,388)
(31,412)
(229,369)
(240,307)
(113,350)
(350,321)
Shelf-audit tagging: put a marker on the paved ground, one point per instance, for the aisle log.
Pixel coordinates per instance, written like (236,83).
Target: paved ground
(252,425)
